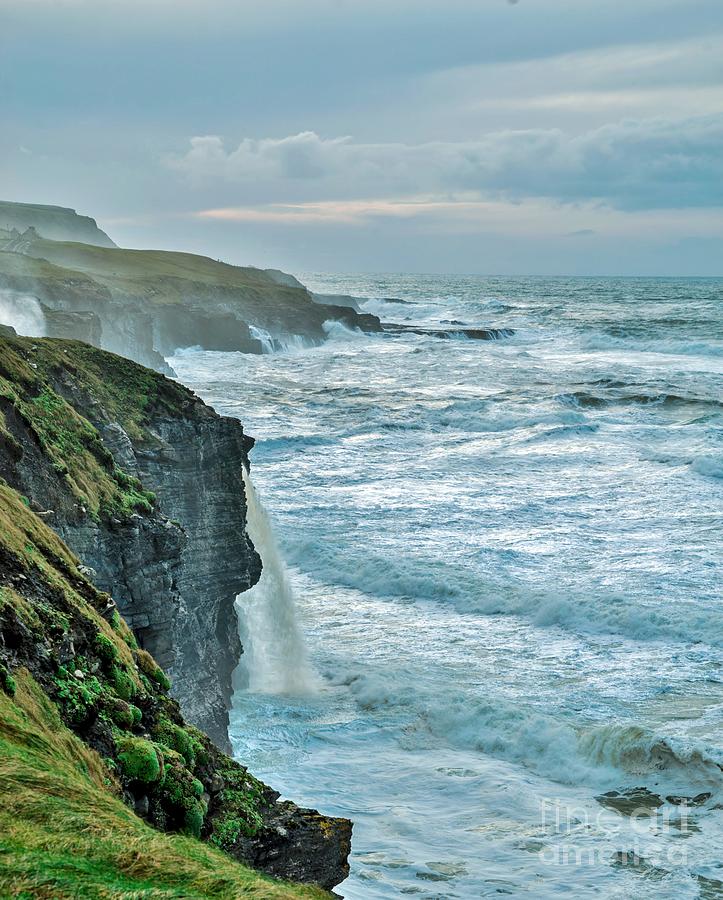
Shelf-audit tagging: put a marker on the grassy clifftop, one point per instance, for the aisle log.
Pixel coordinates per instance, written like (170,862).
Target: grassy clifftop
(165,277)
(67,439)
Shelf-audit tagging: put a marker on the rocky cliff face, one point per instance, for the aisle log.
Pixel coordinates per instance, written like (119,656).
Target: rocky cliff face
(86,722)
(176,558)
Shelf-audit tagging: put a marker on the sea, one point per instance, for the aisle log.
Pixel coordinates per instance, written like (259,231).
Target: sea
(490,626)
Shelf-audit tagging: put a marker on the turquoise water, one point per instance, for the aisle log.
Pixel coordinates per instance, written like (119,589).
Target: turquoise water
(506,560)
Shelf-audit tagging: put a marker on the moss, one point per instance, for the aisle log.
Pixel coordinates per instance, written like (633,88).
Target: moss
(80,699)
(121,715)
(197,788)
(139,760)
(193,819)
(7,682)
(180,795)
(150,668)
(241,804)
(123,683)
(105,650)
(65,833)
(161,679)
(119,625)
(176,738)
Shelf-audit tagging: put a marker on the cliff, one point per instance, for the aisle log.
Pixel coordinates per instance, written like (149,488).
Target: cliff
(149,302)
(142,480)
(55,222)
(93,751)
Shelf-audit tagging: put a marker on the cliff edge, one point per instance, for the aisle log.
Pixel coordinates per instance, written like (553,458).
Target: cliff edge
(142,480)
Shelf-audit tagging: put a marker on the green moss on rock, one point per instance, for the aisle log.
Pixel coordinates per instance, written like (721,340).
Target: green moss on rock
(7,682)
(139,760)
(176,738)
(123,683)
(241,803)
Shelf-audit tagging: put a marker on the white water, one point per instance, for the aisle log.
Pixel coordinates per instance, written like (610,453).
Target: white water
(22,312)
(506,557)
(275,660)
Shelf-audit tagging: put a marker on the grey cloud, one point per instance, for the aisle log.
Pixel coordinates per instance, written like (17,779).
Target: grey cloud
(634,164)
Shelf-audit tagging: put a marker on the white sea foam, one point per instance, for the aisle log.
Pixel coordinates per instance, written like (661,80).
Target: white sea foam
(263,337)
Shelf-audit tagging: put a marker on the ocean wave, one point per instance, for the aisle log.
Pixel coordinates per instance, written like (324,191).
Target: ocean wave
(340,333)
(436,580)
(710,465)
(664,346)
(551,746)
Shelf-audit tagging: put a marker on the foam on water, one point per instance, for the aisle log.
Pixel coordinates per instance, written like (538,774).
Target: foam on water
(506,557)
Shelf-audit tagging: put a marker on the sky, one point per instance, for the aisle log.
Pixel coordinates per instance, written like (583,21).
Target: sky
(548,137)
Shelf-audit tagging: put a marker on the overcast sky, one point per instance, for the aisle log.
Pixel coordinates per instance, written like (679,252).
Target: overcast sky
(528,137)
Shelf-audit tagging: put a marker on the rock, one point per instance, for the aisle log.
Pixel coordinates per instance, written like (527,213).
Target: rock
(217,783)
(698,800)
(476,334)
(66,652)
(631,801)
(82,325)
(176,569)
(141,805)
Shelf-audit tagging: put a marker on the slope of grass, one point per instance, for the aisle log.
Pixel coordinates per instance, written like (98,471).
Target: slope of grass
(65,833)
(167,277)
(71,444)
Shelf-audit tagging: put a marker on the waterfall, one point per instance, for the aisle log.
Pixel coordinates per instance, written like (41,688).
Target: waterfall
(275,657)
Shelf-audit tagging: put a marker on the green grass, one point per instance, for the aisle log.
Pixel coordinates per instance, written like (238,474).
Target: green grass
(126,391)
(66,835)
(160,277)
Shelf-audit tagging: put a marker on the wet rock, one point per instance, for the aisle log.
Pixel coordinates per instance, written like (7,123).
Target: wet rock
(697,800)
(631,801)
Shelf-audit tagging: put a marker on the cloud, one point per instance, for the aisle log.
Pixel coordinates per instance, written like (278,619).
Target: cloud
(632,164)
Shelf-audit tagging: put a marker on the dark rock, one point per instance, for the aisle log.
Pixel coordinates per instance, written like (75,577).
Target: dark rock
(631,801)
(474,334)
(698,800)
(77,326)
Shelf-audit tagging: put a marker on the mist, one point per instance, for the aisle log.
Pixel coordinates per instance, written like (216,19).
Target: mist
(22,312)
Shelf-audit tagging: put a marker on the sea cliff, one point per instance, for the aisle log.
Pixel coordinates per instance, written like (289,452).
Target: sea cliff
(145,304)
(140,483)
